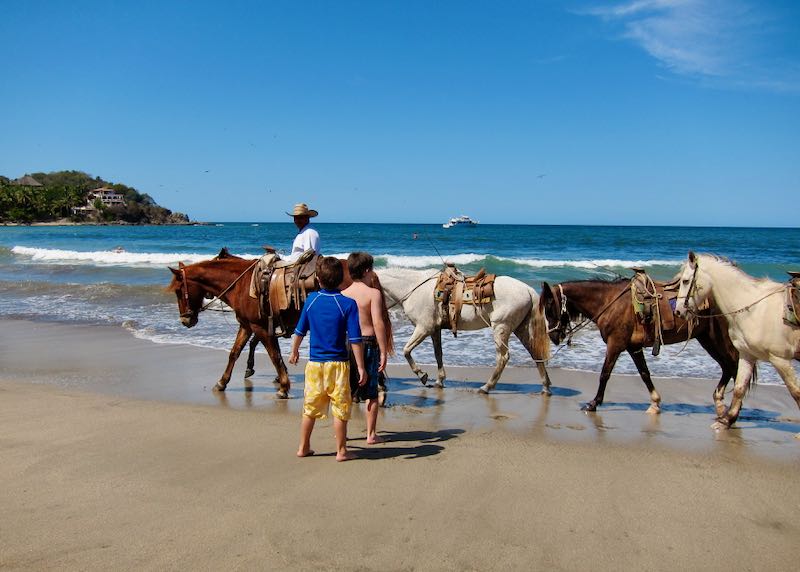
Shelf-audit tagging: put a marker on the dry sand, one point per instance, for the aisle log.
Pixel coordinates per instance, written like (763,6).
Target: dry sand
(117,456)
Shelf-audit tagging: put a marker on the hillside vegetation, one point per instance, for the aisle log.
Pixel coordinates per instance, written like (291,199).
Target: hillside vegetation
(62,192)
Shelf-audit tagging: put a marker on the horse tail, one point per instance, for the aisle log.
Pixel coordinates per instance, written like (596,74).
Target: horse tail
(540,341)
(386,319)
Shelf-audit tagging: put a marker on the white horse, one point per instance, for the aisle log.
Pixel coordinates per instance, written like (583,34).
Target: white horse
(514,309)
(754,309)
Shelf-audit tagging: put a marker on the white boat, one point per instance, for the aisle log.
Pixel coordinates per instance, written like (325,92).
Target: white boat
(462,220)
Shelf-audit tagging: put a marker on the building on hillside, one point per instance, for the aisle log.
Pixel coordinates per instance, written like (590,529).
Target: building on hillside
(108,197)
(27,181)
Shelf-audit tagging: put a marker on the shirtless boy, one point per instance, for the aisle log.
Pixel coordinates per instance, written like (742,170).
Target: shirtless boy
(373,334)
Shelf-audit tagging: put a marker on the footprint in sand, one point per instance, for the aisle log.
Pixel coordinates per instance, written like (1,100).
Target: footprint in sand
(500,417)
(412,410)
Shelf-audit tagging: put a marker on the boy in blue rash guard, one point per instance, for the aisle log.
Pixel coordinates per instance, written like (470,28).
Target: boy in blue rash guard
(332,320)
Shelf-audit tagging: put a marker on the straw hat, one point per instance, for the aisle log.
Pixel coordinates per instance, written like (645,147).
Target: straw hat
(301,209)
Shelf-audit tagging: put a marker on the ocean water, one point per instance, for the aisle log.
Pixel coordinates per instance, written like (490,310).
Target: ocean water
(75,274)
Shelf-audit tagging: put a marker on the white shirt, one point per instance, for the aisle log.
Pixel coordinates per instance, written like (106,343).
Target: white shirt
(306,239)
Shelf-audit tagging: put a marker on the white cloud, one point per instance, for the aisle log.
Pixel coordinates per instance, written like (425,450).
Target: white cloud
(721,40)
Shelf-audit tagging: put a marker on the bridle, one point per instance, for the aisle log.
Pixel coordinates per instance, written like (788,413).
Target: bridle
(185,292)
(691,292)
(185,295)
(562,327)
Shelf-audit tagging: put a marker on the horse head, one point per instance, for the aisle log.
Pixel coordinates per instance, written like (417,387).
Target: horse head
(190,295)
(555,313)
(693,287)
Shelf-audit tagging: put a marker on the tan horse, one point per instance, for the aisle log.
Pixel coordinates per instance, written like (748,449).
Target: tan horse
(754,311)
(514,309)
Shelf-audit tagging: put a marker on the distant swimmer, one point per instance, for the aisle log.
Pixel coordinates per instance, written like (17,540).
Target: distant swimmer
(119,249)
(415,236)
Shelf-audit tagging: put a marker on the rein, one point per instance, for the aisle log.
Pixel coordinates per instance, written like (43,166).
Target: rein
(410,292)
(568,333)
(217,296)
(693,294)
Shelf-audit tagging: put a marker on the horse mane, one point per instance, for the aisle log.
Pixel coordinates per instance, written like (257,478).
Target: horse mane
(724,260)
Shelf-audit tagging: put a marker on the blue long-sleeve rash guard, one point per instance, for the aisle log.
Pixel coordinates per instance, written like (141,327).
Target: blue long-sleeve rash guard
(332,319)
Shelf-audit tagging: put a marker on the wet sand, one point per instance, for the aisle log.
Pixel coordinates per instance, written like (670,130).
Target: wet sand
(117,455)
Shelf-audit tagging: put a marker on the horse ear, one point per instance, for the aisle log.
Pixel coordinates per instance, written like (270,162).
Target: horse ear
(177,273)
(692,258)
(223,253)
(546,290)
(181,265)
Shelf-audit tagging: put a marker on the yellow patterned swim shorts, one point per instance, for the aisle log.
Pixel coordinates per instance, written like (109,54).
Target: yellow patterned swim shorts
(327,382)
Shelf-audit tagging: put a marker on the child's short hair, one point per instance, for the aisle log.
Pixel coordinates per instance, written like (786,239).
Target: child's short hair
(359,263)
(329,272)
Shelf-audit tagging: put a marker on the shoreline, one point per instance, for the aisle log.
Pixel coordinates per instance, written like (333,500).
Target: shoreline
(116,455)
(109,360)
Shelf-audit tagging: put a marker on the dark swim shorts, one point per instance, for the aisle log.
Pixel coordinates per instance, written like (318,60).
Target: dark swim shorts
(372,359)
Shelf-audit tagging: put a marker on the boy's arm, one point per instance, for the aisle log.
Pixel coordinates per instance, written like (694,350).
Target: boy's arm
(358,353)
(294,355)
(376,310)
(299,333)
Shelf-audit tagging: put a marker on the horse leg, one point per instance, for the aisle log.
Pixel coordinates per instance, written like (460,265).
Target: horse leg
(728,365)
(743,375)
(501,334)
(786,371)
(612,354)
(523,334)
(251,358)
(274,353)
(436,338)
(644,373)
(417,336)
(719,395)
(241,339)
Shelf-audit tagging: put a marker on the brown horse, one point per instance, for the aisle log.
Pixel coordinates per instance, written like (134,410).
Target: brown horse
(608,305)
(228,278)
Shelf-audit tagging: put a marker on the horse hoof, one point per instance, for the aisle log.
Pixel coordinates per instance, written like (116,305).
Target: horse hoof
(719,425)
(439,385)
(248,373)
(283,395)
(219,387)
(483,391)
(589,407)
(653,410)
(424,379)
(546,392)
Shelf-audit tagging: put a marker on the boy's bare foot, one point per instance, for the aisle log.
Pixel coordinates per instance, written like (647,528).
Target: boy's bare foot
(305,453)
(349,456)
(375,440)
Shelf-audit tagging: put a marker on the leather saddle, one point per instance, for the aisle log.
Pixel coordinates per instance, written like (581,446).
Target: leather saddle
(654,304)
(653,300)
(453,290)
(281,285)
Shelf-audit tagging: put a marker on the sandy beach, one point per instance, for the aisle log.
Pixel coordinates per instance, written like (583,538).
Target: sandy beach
(117,455)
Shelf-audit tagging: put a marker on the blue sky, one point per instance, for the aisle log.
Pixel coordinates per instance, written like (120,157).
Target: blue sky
(536,112)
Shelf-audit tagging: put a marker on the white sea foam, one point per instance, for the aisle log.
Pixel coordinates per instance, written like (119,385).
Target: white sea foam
(125,258)
(113,257)
(393,260)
